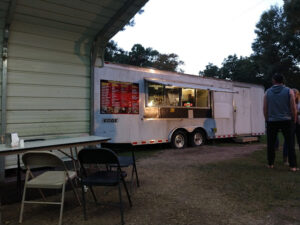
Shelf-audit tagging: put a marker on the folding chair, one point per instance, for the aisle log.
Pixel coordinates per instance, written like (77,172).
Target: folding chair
(127,161)
(101,158)
(53,179)
(20,169)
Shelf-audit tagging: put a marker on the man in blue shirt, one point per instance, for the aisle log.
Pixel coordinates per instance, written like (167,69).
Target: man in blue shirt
(280,114)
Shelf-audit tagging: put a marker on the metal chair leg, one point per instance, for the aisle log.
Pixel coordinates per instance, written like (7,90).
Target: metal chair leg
(23,198)
(93,193)
(74,190)
(83,202)
(126,189)
(136,175)
(62,204)
(134,166)
(121,204)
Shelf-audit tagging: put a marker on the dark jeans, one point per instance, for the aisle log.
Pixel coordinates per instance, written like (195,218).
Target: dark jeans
(285,152)
(287,130)
(296,133)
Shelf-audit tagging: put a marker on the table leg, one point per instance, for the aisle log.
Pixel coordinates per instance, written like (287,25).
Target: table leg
(1,208)
(2,177)
(19,185)
(2,168)
(73,159)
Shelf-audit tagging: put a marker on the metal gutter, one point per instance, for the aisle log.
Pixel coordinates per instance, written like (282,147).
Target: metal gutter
(4,83)
(8,20)
(98,47)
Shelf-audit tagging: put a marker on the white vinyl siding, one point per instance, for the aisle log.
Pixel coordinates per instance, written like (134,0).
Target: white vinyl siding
(49,69)
(48,89)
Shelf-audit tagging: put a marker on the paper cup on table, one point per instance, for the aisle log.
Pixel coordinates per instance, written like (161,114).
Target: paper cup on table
(21,143)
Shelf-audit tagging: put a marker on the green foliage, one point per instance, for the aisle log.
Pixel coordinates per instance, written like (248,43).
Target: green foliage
(243,69)
(276,49)
(168,62)
(143,57)
(292,11)
(139,56)
(211,70)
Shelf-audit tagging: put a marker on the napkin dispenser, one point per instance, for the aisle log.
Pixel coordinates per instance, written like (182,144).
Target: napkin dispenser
(12,140)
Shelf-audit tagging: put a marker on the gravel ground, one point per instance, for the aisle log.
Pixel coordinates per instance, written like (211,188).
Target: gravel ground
(170,193)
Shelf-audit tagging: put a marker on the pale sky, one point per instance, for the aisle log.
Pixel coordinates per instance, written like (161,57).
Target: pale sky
(198,31)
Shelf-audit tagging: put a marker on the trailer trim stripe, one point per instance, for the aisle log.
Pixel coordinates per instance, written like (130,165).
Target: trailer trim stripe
(159,141)
(149,142)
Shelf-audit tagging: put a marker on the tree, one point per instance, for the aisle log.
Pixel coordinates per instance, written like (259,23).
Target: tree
(292,11)
(276,48)
(113,53)
(168,62)
(211,70)
(143,57)
(139,56)
(243,69)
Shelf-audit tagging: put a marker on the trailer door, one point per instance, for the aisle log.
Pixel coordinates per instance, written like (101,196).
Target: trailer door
(242,110)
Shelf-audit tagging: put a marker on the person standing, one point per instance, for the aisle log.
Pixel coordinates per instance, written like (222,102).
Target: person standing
(280,114)
(295,130)
(298,120)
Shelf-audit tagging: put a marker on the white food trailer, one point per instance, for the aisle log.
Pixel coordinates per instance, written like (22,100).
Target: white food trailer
(147,106)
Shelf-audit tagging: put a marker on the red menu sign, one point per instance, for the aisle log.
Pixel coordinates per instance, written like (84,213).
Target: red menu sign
(119,97)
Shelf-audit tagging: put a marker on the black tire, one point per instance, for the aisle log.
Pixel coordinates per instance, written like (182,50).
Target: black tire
(197,138)
(179,139)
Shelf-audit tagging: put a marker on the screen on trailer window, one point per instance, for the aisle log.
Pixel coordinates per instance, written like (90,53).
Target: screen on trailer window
(119,97)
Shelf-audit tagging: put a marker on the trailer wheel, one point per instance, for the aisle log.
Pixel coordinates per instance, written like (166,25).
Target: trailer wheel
(179,139)
(197,138)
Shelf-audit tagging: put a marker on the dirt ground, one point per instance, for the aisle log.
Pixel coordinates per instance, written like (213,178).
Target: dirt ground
(170,194)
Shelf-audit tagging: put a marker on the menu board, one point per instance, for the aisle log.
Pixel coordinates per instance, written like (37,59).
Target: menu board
(119,97)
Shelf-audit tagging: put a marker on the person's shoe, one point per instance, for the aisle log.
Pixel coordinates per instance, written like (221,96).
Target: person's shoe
(285,161)
(270,166)
(294,169)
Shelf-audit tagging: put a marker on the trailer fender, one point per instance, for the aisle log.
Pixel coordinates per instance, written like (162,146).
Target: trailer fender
(175,129)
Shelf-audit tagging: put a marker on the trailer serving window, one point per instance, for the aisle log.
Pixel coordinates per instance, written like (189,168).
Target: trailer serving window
(170,96)
(155,94)
(202,98)
(188,97)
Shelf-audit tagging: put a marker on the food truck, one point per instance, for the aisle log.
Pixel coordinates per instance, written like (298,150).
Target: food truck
(148,106)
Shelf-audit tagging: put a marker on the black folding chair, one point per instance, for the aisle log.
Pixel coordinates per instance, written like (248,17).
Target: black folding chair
(101,176)
(127,161)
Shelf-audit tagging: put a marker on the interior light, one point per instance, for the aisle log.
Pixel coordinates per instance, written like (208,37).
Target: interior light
(150,104)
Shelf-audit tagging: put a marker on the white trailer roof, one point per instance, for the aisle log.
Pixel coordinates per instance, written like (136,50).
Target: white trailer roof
(187,85)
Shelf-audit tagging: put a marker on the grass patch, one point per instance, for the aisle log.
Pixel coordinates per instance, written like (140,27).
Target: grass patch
(249,183)
(263,139)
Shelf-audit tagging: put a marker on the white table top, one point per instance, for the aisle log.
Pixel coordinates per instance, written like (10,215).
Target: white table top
(53,144)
